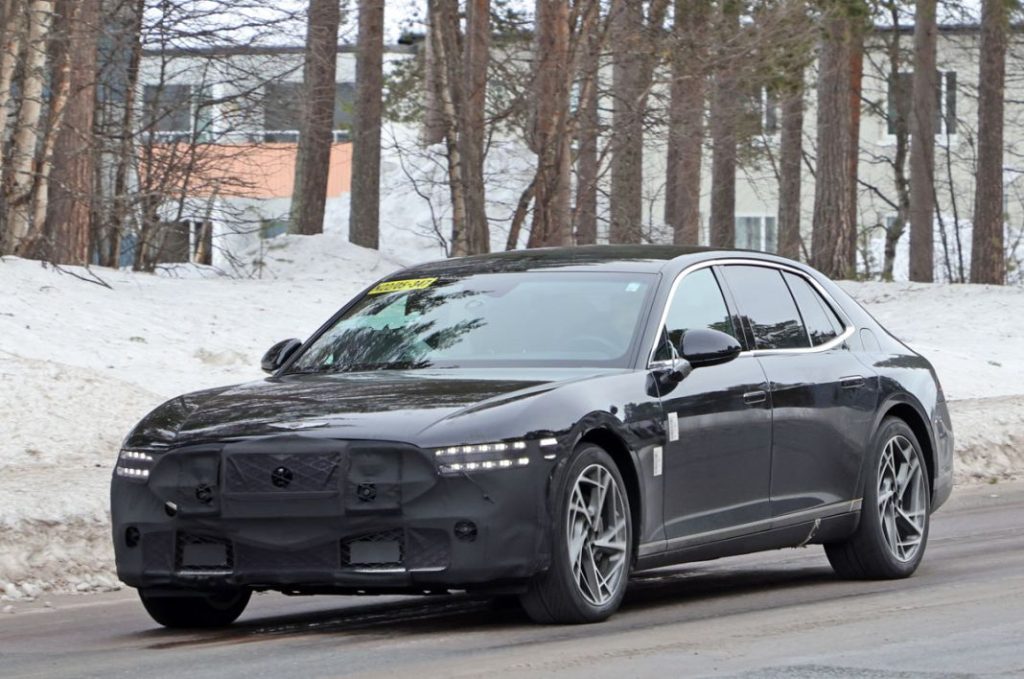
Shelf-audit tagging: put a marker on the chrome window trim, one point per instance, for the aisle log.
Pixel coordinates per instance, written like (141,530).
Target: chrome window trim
(850,328)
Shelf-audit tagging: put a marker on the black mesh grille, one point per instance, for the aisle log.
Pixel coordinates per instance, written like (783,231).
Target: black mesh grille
(158,551)
(211,559)
(426,549)
(270,473)
(320,558)
(351,549)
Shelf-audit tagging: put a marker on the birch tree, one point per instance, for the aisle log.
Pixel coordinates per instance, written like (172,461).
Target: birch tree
(19,232)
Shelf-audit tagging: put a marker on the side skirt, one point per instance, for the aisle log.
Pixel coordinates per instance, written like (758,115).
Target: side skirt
(822,525)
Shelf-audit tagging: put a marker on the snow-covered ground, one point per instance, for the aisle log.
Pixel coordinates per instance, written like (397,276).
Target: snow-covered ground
(80,363)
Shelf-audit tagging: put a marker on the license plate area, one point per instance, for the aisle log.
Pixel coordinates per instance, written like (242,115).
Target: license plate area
(372,553)
(385,549)
(201,553)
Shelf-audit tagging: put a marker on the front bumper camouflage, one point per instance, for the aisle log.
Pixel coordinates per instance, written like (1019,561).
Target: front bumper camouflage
(298,513)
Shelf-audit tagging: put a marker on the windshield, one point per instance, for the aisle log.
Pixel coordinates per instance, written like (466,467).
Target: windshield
(487,320)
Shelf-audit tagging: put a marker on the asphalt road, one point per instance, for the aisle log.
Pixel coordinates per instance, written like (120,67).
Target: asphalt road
(774,615)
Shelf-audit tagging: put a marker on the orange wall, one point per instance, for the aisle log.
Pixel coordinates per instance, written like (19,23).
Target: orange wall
(268,170)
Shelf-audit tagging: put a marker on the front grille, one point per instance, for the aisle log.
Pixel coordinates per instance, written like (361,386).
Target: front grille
(202,553)
(319,558)
(282,473)
(426,549)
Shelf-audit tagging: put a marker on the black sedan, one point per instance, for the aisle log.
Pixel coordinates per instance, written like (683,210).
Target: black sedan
(541,423)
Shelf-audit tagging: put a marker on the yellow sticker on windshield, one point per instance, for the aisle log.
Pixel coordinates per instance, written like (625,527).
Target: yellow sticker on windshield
(401,286)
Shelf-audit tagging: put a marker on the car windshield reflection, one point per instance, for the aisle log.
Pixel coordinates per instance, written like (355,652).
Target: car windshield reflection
(486,320)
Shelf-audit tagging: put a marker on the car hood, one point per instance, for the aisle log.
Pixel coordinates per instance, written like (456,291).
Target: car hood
(387,405)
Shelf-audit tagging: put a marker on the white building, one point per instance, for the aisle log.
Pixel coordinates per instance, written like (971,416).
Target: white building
(255,92)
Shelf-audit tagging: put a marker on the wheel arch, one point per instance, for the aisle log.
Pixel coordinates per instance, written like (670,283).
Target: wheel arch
(612,444)
(911,414)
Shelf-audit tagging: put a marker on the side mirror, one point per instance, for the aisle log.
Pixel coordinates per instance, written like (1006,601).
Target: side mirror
(278,354)
(702,347)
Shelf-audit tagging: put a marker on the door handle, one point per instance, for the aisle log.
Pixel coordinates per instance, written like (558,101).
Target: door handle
(755,397)
(851,382)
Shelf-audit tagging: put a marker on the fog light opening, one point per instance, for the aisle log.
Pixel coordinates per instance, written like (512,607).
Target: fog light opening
(132,536)
(204,493)
(465,531)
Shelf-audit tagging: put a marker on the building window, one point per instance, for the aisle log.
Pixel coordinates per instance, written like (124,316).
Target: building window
(898,108)
(764,109)
(178,112)
(283,110)
(756,232)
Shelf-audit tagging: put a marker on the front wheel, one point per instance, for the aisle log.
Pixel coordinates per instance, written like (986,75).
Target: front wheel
(894,520)
(195,610)
(592,545)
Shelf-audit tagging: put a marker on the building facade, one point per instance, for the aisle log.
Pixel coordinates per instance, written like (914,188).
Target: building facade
(246,104)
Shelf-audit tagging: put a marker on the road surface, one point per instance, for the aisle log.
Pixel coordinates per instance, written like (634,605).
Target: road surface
(773,615)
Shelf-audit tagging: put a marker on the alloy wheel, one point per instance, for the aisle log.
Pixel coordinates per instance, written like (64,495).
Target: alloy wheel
(902,503)
(597,534)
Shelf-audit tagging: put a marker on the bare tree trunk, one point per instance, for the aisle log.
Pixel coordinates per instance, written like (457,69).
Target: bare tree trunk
(901,131)
(856,77)
(686,121)
(519,216)
(830,238)
(922,144)
(19,234)
(724,111)
(443,36)
(634,43)
(313,161)
(13,32)
(59,85)
(475,61)
(108,237)
(790,167)
(627,23)
(587,133)
(68,219)
(551,211)
(988,260)
(434,123)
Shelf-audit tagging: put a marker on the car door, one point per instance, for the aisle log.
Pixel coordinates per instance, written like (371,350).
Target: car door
(823,398)
(717,456)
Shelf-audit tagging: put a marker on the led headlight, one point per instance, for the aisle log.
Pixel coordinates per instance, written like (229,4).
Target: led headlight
(134,465)
(485,456)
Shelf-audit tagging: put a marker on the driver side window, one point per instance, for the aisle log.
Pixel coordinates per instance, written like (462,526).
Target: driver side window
(697,303)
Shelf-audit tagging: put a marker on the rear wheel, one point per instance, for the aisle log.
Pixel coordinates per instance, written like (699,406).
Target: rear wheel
(593,545)
(195,610)
(894,519)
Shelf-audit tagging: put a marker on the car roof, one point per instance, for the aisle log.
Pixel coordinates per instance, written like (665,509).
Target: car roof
(624,258)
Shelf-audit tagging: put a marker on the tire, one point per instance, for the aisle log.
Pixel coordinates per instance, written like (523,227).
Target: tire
(195,610)
(564,594)
(888,544)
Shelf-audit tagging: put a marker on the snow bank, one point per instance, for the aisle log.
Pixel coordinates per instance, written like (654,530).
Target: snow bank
(972,334)
(80,363)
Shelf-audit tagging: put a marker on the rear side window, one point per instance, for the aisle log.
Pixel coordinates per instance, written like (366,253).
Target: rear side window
(764,300)
(819,319)
(697,303)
